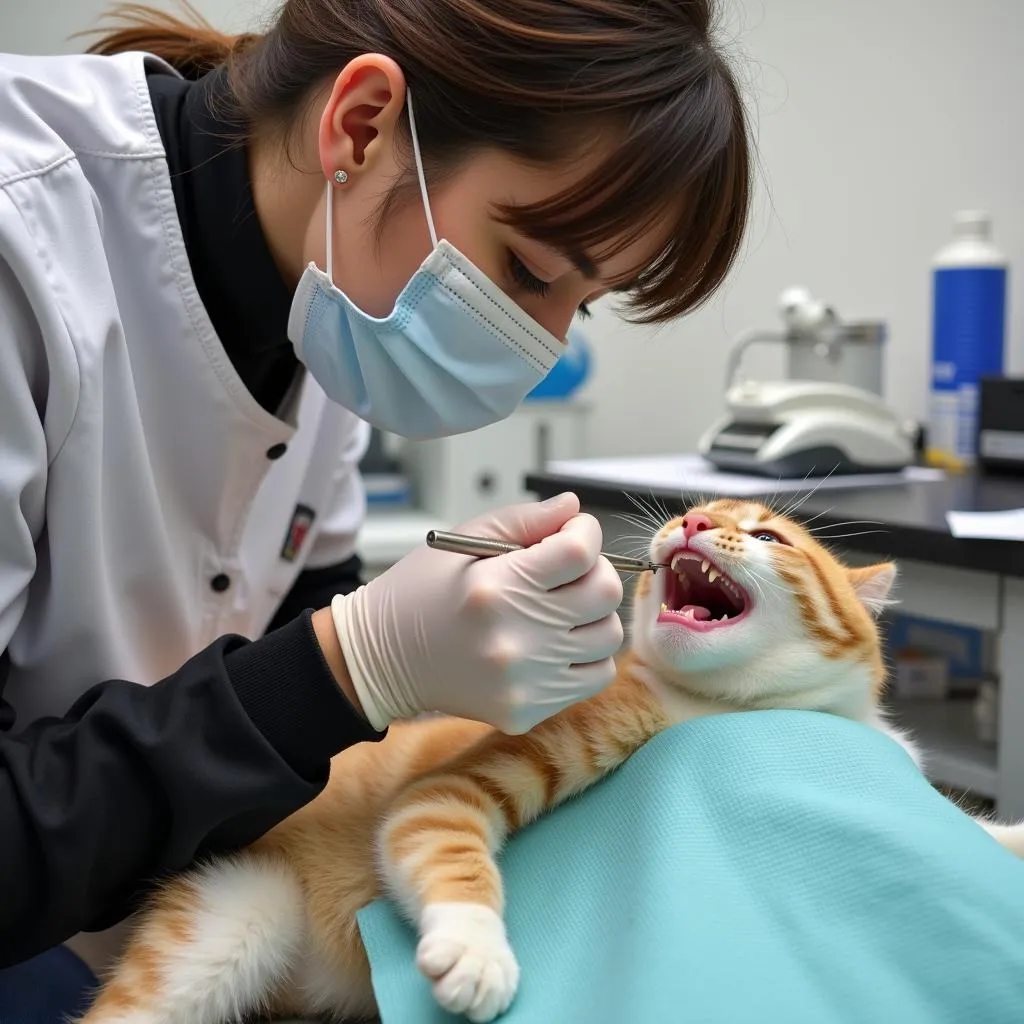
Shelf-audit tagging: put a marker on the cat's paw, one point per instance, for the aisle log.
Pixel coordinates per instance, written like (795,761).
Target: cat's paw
(464,951)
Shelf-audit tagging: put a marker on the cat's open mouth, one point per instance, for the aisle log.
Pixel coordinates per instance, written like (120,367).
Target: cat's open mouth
(699,595)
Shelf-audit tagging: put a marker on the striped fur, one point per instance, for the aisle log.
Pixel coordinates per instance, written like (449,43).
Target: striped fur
(421,816)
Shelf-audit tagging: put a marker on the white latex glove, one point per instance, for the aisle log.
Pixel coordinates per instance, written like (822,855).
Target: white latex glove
(509,640)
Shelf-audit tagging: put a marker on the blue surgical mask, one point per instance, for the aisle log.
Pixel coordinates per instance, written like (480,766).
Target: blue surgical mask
(455,354)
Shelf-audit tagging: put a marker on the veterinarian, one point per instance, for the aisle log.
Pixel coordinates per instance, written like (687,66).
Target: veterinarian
(221,260)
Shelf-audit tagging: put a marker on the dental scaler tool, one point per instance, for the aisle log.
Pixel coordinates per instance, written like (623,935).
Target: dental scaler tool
(483,547)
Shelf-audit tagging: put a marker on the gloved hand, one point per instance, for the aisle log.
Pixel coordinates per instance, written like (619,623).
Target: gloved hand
(508,640)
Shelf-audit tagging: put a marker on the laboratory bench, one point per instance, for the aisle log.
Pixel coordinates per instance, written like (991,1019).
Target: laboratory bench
(975,583)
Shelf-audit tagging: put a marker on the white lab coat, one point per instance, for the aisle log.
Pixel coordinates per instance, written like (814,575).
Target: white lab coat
(134,466)
(133,462)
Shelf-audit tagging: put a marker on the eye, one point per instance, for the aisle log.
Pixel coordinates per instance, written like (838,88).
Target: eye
(767,537)
(534,285)
(524,279)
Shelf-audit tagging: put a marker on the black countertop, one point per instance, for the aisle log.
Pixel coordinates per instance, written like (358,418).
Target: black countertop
(912,515)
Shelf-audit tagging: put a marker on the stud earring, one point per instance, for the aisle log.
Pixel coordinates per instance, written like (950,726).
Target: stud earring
(341,177)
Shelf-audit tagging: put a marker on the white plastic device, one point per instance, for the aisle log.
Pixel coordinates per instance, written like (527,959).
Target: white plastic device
(807,428)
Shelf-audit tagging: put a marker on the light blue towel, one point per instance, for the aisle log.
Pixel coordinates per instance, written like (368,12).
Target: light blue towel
(773,867)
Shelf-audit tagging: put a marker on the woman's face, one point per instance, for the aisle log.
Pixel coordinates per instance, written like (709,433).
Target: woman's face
(550,286)
(359,135)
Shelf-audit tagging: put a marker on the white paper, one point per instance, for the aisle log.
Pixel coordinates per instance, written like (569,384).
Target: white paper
(694,474)
(1006,525)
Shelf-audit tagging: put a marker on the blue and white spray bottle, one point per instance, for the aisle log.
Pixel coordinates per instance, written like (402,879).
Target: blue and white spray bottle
(969,278)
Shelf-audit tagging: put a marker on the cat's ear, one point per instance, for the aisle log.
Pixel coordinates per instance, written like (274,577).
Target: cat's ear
(873,585)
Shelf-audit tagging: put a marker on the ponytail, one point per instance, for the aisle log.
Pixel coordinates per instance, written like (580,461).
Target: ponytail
(191,45)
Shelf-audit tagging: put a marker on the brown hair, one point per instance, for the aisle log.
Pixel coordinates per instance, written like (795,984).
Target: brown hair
(537,79)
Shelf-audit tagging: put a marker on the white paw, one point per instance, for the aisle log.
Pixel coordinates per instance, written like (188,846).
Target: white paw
(464,951)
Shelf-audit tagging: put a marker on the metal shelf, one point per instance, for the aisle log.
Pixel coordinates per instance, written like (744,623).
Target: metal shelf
(953,753)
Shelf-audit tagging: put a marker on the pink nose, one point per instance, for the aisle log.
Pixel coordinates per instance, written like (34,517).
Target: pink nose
(695,522)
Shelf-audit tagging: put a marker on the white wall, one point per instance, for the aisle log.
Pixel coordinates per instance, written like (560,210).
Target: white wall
(876,119)
(47,26)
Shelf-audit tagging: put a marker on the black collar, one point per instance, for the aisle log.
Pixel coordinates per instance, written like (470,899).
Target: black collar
(236,276)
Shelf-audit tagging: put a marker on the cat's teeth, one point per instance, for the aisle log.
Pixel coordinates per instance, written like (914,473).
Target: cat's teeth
(704,566)
(688,614)
(664,607)
(713,575)
(723,618)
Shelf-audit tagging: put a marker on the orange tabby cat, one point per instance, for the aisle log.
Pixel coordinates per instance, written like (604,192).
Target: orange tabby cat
(754,613)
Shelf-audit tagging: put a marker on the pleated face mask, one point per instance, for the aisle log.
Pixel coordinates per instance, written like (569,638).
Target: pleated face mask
(455,354)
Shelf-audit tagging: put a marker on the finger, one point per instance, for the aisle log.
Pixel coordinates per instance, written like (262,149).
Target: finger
(563,558)
(590,598)
(595,642)
(526,524)
(589,680)
(575,683)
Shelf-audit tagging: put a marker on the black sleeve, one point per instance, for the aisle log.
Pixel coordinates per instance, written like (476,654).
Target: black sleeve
(137,781)
(315,588)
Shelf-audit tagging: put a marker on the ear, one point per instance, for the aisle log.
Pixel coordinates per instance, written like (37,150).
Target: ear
(873,585)
(361,115)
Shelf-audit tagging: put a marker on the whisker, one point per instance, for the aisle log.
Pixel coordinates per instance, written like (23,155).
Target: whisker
(642,507)
(659,509)
(640,524)
(770,583)
(635,538)
(790,505)
(648,506)
(802,501)
(660,505)
(769,501)
(638,550)
(785,509)
(760,589)
(805,522)
(862,533)
(752,570)
(849,522)
(641,512)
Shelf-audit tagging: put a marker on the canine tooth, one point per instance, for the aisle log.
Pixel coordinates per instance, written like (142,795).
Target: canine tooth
(688,614)
(723,618)
(664,607)
(704,566)
(713,575)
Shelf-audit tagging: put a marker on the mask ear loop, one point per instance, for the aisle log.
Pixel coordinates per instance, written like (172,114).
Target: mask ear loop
(330,232)
(419,167)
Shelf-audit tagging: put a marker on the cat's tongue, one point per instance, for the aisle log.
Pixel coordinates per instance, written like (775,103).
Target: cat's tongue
(696,611)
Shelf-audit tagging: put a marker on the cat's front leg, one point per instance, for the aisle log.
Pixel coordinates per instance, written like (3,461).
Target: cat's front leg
(436,852)
(465,952)
(437,845)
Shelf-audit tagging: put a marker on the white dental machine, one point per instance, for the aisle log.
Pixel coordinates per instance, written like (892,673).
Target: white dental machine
(827,418)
